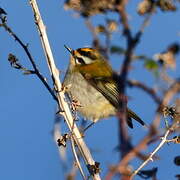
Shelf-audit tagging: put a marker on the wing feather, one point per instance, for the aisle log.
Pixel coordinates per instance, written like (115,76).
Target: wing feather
(108,86)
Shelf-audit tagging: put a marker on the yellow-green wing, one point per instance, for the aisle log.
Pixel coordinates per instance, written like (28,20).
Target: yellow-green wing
(109,88)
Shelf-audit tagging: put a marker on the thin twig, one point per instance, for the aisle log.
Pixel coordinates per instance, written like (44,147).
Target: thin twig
(147,89)
(96,42)
(145,23)
(150,158)
(130,155)
(25,47)
(174,88)
(91,28)
(77,159)
(60,94)
(124,19)
(168,95)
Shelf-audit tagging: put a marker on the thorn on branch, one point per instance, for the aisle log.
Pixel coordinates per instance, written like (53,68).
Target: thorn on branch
(151,159)
(27,45)
(60,112)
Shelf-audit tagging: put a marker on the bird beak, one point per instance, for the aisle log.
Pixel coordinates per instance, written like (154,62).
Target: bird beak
(69,49)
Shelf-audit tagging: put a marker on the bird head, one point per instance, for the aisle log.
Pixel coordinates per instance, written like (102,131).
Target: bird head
(89,61)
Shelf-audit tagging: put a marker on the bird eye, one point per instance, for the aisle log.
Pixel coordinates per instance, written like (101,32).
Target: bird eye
(80,60)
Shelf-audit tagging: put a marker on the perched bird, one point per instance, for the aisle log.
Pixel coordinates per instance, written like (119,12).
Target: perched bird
(91,82)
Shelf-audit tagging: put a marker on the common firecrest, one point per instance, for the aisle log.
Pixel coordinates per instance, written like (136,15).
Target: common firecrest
(91,82)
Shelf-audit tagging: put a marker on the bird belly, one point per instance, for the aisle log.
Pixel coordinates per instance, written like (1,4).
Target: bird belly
(93,105)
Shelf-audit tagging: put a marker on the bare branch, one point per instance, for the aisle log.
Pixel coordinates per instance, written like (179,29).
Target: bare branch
(132,42)
(150,158)
(152,134)
(60,94)
(25,47)
(77,159)
(145,88)
(121,8)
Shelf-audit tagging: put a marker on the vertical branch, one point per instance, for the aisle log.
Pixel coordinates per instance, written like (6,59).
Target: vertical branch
(62,104)
(124,19)
(132,42)
(123,134)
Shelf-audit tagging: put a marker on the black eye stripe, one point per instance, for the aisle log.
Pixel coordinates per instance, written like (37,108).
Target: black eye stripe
(80,60)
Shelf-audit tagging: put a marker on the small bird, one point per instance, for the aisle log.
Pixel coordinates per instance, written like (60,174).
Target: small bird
(91,82)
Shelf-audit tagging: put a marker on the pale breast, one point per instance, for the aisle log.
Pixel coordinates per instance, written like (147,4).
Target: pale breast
(94,105)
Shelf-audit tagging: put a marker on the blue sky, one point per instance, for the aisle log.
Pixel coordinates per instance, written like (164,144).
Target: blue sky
(27,110)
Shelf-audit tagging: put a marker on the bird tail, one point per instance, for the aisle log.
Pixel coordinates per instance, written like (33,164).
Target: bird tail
(132,115)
